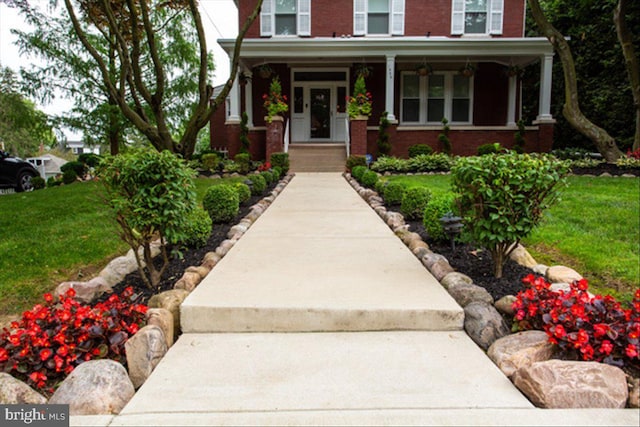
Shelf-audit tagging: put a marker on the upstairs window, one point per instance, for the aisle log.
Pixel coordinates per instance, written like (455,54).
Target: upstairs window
(285,18)
(477,17)
(378,17)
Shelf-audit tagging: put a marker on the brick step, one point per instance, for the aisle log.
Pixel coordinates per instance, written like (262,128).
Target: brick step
(317,157)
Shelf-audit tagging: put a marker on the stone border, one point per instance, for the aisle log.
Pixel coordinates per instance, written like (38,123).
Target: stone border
(484,321)
(148,346)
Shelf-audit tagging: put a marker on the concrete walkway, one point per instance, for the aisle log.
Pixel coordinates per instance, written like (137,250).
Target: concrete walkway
(320,315)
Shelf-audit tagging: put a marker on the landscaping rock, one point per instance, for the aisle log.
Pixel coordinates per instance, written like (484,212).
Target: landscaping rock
(117,269)
(224,247)
(411,237)
(188,281)
(15,392)
(567,384)
(505,305)
(394,219)
(465,293)
(415,244)
(421,252)
(200,270)
(210,259)
(96,387)
(171,301)
(162,318)
(455,278)
(634,392)
(519,350)
(144,351)
(484,324)
(540,269)
(562,274)
(522,257)
(440,269)
(431,258)
(85,291)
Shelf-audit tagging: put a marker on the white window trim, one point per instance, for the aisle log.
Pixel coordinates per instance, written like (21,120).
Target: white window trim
(495,18)
(268,19)
(448,99)
(361,18)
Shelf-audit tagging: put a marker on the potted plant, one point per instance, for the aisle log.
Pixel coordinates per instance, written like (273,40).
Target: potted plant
(275,102)
(359,104)
(424,69)
(243,78)
(265,71)
(468,70)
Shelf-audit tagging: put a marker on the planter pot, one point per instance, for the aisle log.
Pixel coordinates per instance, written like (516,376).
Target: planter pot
(359,117)
(274,119)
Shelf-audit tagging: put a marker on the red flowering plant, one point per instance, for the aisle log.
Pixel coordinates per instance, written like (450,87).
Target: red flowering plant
(634,154)
(275,102)
(53,338)
(264,167)
(359,104)
(583,326)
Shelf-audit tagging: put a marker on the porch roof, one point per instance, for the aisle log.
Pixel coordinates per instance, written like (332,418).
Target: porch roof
(515,51)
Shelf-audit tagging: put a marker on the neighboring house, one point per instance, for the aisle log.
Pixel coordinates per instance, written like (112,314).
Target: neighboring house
(316,47)
(48,165)
(78,147)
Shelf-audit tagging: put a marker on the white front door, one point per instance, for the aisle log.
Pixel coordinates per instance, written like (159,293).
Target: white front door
(317,113)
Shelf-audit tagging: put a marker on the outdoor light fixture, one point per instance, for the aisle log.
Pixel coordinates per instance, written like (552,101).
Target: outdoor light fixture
(452,226)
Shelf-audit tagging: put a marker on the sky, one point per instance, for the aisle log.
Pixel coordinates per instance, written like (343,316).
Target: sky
(219,18)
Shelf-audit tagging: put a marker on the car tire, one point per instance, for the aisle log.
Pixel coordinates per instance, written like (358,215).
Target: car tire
(24,182)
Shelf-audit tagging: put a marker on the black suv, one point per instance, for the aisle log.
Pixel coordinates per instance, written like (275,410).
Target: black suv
(16,173)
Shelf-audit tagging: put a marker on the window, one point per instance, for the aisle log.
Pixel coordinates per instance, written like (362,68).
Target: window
(428,99)
(285,18)
(477,17)
(378,17)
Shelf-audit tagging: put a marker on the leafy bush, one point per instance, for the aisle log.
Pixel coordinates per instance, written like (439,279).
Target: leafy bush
(390,164)
(53,338)
(197,229)
(259,185)
(502,197)
(489,149)
(392,193)
(443,137)
(357,172)
(369,179)
(438,206)
(244,192)
(69,176)
(268,177)
(588,328)
(78,167)
(634,154)
(53,182)
(151,194)
(418,149)
(277,172)
(243,160)
(38,183)
(380,185)
(622,162)
(210,161)
(570,153)
(414,202)
(383,143)
(353,161)
(585,163)
(430,163)
(230,166)
(90,159)
(280,160)
(518,137)
(222,203)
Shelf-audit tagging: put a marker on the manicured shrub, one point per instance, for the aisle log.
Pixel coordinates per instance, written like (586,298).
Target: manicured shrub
(243,160)
(583,327)
(357,172)
(418,149)
(69,176)
(390,164)
(380,186)
(259,185)
(53,182)
(429,163)
(53,338)
(414,201)
(494,148)
(222,203)
(210,161)
(502,197)
(244,192)
(393,193)
(90,159)
(353,161)
(383,143)
(268,177)
(281,160)
(38,183)
(438,206)
(197,228)
(277,172)
(78,167)
(369,179)
(229,166)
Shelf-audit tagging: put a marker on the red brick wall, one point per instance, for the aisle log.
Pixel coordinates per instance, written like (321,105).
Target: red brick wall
(490,95)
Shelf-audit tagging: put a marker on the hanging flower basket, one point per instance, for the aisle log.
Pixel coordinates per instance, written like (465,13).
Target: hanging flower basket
(265,71)
(359,104)
(363,70)
(424,69)
(468,70)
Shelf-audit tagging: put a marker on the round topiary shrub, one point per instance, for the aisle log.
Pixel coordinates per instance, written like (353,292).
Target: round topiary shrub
(416,150)
(222,203)
(259,184)
(197,228)
(354,161)
(369,179)
(357,172)
(78,167)
(53,182)
(244,192)
(277,172)
(69,176)
(414,202)
(438,206)
(268,177)
(392,193)
(38,183)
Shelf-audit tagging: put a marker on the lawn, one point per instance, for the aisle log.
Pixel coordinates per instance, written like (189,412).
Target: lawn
(594,228)
(53,235)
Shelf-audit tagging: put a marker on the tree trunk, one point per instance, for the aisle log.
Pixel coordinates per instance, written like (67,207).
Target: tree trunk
(631,62)
(604,142)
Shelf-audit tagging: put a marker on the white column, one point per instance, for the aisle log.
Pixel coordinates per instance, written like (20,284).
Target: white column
(511,102)
(390,88)
(234,103)
(248,98)
(546,67)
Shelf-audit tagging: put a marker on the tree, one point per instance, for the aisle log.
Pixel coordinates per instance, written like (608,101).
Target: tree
(141,35)
(22,126)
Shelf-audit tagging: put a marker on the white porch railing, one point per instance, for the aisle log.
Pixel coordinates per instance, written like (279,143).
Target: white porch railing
(286,137)
(347,140)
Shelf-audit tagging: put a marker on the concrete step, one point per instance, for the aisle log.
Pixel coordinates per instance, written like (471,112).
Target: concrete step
(306,157)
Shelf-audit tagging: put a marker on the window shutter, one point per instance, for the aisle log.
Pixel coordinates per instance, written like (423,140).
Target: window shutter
(457,17)
(359,17)
(304,17)
(397,18)
(496,14)
(267,18)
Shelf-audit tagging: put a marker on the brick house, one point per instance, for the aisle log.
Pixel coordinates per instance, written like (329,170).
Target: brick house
(317,47)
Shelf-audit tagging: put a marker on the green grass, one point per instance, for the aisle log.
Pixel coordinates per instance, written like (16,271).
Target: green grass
(58,234)
(594,228)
